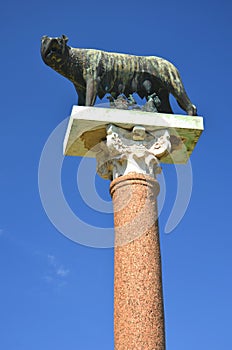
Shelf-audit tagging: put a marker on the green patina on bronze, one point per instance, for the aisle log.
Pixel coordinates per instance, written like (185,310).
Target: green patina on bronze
(97,73)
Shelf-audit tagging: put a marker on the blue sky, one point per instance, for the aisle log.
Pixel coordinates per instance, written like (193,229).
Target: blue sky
(57,294)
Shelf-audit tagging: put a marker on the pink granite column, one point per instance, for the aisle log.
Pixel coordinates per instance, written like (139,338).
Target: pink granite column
(138,299)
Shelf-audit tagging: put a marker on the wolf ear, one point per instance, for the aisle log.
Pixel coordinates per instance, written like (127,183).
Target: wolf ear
(65,38)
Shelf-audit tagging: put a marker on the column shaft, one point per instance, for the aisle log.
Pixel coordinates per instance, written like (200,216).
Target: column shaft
(138,299)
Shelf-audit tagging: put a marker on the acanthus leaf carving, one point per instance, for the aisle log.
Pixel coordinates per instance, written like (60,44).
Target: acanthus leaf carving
(125,151)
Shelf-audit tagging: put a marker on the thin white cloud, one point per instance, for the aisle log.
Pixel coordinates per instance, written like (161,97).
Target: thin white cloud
(52,260)
(1,231)
(56,272)
(62,272)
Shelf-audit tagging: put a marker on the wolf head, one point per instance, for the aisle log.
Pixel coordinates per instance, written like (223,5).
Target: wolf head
(54,51)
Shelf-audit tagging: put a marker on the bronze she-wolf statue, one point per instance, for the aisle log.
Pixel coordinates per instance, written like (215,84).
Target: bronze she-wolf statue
(97,73)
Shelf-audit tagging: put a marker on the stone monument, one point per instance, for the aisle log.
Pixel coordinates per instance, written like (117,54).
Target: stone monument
(129,143)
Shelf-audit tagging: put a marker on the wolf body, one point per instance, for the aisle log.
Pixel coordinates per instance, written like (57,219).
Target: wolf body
(97,73)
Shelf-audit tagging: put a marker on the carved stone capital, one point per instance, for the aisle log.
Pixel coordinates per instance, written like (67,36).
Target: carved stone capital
(126,151)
